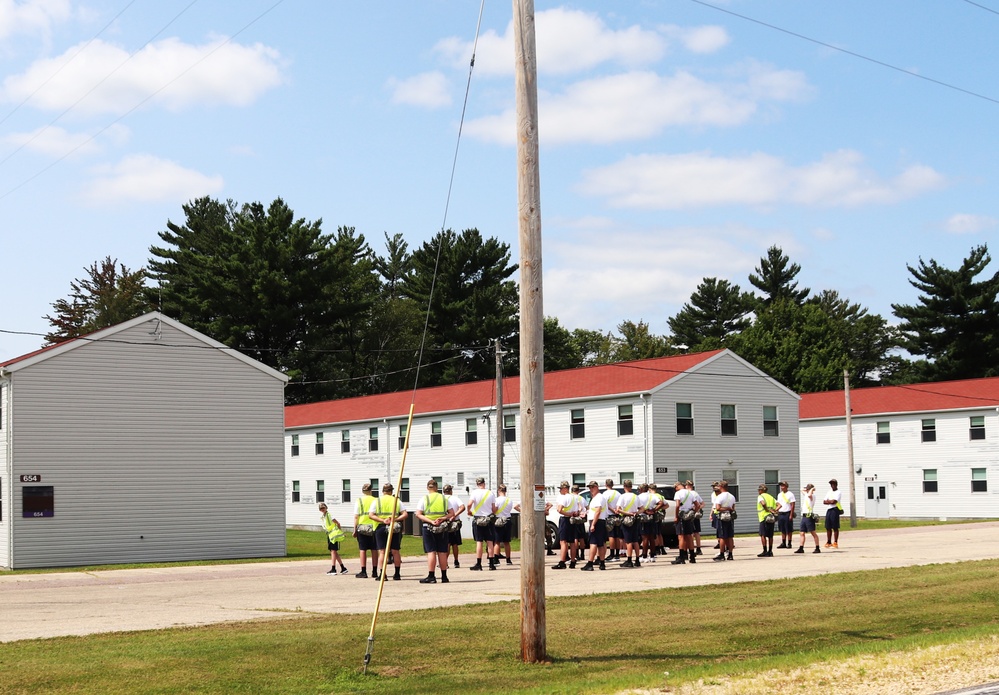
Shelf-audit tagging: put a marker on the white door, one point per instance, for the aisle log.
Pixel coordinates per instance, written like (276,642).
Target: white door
(876,506)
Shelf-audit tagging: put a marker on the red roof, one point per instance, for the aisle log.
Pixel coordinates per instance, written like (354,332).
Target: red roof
(941,395)
(36,352)
(599,380)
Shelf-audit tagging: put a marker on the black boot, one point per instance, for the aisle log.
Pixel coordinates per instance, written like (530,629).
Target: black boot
(681,559)
(444,579)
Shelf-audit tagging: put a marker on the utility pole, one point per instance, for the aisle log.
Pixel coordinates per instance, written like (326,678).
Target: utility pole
(849,449)
(499,414)
(532,399)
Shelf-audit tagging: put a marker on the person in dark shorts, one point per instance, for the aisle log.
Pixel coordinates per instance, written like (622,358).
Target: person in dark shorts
(834,510)
(808,517)
(596,517)
(387,513)
(433,512)
(454,535)
(725,528)
(334,536)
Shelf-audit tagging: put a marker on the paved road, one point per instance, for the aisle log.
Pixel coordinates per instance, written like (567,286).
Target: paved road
(79,603)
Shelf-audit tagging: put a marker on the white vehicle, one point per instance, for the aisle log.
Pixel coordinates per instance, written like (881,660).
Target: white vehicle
(552,519)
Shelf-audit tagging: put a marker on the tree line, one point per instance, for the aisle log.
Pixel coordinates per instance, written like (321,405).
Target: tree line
(342,320)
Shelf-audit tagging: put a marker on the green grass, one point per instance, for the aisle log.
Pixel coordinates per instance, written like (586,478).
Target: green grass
(597,644)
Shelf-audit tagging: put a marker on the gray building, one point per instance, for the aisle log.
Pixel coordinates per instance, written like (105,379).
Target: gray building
(143,442)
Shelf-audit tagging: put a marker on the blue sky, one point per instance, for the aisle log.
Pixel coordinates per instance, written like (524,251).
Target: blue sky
(678,141)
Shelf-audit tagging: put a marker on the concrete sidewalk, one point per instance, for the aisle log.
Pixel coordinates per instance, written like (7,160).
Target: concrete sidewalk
(80,603)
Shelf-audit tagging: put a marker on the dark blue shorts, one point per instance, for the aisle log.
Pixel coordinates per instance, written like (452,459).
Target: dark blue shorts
(482,533)
(832,518)
(566,530)
(434,542)
(381,538)
(331,545)
(725,529)
(366,542)
(807,524)
(784,522)
(766,530)
(454,538)
(684,528)
(503,534)
(598,536)
(632,534)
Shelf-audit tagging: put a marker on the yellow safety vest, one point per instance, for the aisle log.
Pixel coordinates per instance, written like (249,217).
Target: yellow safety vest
(428,503)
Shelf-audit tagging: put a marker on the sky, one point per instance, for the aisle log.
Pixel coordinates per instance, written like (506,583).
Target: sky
(678,139)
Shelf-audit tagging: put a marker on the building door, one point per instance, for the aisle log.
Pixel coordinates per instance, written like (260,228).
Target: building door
(876,506)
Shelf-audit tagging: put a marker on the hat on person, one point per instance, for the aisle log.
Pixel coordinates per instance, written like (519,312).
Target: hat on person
(762,488)
(480,480)
(833,482)
(593,483)
(809,487)
(783,483)
(564,483)
(448,488)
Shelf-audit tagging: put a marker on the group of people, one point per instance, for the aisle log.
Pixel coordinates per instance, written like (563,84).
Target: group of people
(614,524)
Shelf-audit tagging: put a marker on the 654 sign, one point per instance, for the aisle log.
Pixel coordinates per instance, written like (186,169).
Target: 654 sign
(34,478)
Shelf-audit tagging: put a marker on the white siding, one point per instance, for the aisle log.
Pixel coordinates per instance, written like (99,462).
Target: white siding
(158,449)
(5,479)
(900,463)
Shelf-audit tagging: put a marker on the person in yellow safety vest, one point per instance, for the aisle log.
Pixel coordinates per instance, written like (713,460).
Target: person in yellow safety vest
(364,532)
(766,506)
(386,511)
(436,517)
(834,509)
(334,536)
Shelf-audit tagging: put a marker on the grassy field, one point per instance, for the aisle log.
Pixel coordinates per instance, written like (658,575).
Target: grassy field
(597,644)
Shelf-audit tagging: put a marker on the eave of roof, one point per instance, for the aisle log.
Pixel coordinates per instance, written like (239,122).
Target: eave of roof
(605,380)
(882,400)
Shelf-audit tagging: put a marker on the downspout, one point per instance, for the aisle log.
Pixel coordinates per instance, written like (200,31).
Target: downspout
(388,453)
(8,436)
(645,435)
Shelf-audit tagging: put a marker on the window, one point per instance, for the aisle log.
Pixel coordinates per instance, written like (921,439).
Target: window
(771,426)
(509,428)
(471,433)
(684,418)
(319,443)
(404,490)
(884,433)
(729,425)
(37,501)
(979,483)
(344,441)
(929,480)
(579,479)
(929,433)
(977,427)
(625,423)
(294,445)
(403,429)
(460,482)
(577,427)
(770,479)
(625,475)
(372,439)
(684,476)
(731,476)
(345,491)
(436,438)
(374,486)
(439,480)
(296,491)
(320,491)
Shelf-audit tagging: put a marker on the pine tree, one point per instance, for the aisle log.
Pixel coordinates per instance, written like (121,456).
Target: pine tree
(717,309)
(775,278)
(955,325)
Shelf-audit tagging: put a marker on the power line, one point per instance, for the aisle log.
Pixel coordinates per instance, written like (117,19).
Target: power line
(987,9)
(90,91)
(849,52)
(142,102)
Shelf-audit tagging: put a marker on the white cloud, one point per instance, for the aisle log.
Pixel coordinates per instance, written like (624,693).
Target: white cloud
(58,142)
(964,223)
(638,105)
(428,89)
(671,182)
(703,39)
(605,275)
(32,16)
(146,178)
(170,73)
(567,41)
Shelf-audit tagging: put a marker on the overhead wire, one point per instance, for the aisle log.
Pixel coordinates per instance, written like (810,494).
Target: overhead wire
(141,103)
(94,88)
(73,57)
(910,73)
(423,339)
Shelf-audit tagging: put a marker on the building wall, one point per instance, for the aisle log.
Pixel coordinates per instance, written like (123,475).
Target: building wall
(600,454)
(158,449)
(730,381)
(900,463)
(5,479)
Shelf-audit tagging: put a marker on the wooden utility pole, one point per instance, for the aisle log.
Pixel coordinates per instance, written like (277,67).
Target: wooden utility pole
(532,399)
(499,414)
(849,449)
